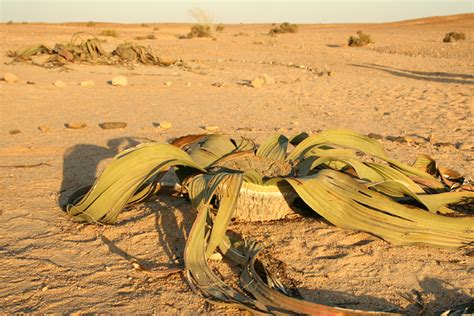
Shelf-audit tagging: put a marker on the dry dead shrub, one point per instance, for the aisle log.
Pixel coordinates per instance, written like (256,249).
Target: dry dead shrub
(149,36)
(454,36)
(200,30)
(361,40)
(220,28)
(110,33)
(284,28)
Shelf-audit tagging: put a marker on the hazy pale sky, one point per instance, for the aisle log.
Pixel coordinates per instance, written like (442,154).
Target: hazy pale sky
(228,11)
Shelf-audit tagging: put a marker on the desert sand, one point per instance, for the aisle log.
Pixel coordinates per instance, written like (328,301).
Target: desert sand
(408,83)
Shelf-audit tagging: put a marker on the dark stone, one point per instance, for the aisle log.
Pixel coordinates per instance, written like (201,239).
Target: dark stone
(112,125)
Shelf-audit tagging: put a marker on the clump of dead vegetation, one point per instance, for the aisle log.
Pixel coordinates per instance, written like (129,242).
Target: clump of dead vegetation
(90,24)
(149,36)
(220,28)
(200,30)
(361,39)
(454,37)
(109,33)
(284,28)
(89,50)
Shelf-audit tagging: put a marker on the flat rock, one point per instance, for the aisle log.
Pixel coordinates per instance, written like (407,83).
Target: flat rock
(218,84)
(397,139)
(87,83)
(44,128)
(166,61)
(119,81)
(443,144)
(261,81)
(245,129)
(59,84)
(211,128)
(163,125)
(9,77)
(75,125)
(257,82)
(112,125)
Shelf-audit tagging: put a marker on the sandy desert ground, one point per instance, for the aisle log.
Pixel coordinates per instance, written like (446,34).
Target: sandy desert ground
(408,83)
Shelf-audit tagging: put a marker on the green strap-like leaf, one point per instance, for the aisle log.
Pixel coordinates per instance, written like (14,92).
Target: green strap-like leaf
(211,148)
(274,147)
(339,137)
(127,175)
(347,204)
(203,237)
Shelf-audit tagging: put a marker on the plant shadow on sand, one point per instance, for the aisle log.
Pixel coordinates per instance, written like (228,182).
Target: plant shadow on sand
(173,218)
(442,77)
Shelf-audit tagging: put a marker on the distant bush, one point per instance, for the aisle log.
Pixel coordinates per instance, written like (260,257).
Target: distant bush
(10,22)
(284,28)
(90,24)
(111,33)
(200,30)
(454,36)
(362,40)
(144,25)
(219,28)
(156,28)
(149,36)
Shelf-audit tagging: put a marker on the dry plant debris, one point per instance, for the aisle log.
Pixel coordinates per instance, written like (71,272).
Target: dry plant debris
(361,39)
(89,50)
(454,37)
(200,30)
(110,33)
(345,177)
(284,28)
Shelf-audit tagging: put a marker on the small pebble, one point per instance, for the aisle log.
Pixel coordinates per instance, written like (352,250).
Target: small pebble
(188,84)
(119,81)
(112,125)
(375,136)
(30,82)
(397,139)
(9,77)
(245,129)
(44,128)
(44,289)
(442,144)
(59,84)
(211,128)
(136,266)
(87,83)
(75,125)
(168,83)
(108,269)
(14,132)
(164,125)
(261,81)
(218,84)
